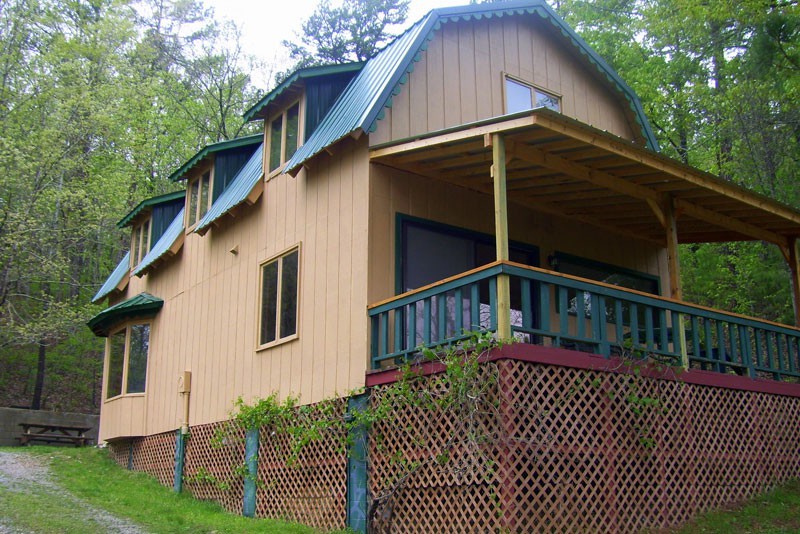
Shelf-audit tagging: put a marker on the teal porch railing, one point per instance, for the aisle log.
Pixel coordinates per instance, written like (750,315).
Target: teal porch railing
(548,308)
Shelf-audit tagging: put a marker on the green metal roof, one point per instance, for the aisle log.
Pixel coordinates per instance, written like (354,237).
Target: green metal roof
(117,275)
(171,234)
(362,103)
(237,192)
(142,305)
(216,147)
(299,74)
(149,203)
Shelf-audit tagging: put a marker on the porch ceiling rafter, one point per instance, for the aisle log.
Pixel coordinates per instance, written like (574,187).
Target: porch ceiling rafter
(560,166)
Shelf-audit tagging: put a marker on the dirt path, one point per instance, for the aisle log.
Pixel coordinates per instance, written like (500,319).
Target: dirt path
(28,474)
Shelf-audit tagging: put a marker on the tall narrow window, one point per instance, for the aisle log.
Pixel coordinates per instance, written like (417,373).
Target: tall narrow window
(199,196)
(116,364)
(284,134)
(522,96)
(140,242)
(279,289)
(127,360)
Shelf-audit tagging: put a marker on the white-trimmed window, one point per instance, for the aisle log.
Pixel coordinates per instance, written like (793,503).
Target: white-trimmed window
(126,360)
(283,134)
(279,296)
(140,242)
(198,199)
(521,96)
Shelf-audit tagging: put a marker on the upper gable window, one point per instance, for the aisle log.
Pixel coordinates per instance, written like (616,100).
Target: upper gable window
(140,242)
(198,199)
(521,96)
(283,136)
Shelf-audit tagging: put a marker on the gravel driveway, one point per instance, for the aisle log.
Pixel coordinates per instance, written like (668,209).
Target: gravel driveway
(28,474)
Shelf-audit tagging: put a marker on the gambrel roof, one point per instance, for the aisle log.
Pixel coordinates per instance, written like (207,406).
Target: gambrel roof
(362,103)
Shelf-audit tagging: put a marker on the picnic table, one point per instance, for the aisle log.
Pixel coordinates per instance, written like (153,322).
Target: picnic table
(53,433)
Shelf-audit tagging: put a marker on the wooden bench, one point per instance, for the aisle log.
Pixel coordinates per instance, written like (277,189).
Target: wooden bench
(53,433)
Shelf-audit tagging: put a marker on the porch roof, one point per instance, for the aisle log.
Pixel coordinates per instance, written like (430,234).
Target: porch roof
(560,166)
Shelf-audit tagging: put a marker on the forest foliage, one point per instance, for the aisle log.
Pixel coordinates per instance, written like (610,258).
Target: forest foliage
(101,99)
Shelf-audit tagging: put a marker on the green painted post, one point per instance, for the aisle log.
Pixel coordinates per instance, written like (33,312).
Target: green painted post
(180,457)
(357,497)
(251,462)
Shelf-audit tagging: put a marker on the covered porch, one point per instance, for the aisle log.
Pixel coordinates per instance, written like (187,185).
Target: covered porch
(558,166)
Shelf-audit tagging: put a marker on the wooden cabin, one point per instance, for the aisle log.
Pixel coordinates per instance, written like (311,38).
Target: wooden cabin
(485,170)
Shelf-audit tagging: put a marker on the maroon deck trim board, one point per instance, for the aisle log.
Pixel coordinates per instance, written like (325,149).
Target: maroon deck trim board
(581,360)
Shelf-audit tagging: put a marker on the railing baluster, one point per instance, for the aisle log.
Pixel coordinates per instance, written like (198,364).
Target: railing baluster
(580,310)
(527,308)
(544,306)
(474,306)
(733,336)
(695,336)
(663,338)
(411,343)
(398,329)
(459,323)
(374,336)
(599,324)
(634,315)
(384,335)
(426,321)
(710,345)
(563,312)
(493,303)
(773,364)
(619,322)
(747,358)
(648,327)
(790,355)
(441,317)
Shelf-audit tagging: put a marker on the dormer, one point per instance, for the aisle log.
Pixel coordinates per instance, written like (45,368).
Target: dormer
(293,110)
(148,222)
(210,172)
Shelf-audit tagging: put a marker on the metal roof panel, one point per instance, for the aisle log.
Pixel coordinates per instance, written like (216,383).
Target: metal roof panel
(117,275)
(162,246)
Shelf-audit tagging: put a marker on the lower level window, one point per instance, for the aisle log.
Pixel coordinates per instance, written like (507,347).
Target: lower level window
(279,286)
(127,360)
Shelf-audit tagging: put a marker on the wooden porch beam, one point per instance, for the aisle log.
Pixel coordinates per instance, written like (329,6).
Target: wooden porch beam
(498,144)
(730,223)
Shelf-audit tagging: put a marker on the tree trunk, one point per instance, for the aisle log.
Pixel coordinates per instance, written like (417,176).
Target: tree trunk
(37,390)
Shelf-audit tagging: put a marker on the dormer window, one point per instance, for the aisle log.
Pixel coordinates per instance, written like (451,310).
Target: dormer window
(521,96)
(283,136)
(140,242)
(198,197)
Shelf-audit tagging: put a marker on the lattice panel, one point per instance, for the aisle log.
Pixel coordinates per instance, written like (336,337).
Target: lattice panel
(214,454)
(312,490)
(457,495)
(588,451)
(120,452)
(155,455)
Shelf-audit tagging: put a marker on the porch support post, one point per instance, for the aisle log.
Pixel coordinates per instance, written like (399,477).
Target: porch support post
(501,233)
(251,464)
(794,267)
(671,227)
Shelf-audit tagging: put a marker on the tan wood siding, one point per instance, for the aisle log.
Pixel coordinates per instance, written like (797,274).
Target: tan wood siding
(459,79)
(208,324)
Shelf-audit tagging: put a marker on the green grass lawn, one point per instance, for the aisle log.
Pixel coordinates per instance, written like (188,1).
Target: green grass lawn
(91,475)
(771,513)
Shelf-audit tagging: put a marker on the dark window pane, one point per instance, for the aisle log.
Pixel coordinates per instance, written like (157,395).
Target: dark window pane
(289,294)
(135,246)
(193,190)
(269,302)
(116,359)
(275,134)
(145,240)
(292,122)
(137,358)
(205,184)
(518,97)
